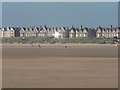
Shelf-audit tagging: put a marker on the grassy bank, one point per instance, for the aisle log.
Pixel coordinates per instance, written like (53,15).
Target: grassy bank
(50,40)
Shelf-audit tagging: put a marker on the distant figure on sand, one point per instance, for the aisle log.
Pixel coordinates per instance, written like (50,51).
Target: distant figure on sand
(65,45)
(39,46)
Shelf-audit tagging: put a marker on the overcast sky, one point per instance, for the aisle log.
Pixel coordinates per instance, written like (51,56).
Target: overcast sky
(89,14)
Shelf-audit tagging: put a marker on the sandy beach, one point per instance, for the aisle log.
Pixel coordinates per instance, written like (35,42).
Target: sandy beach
(53,66)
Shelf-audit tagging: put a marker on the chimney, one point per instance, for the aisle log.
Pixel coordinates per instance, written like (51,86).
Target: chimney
(72,26)
(99,26)
(111,26)
(81,26)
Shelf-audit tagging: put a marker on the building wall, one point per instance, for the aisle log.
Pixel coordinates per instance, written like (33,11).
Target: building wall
(62,32)
(108,33)
(8,32)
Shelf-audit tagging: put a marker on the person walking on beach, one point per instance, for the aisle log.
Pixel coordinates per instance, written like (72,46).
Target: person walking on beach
(65,45)
(39,46)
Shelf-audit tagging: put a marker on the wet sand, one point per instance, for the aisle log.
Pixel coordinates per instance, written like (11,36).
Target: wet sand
(28,51)
(59,67)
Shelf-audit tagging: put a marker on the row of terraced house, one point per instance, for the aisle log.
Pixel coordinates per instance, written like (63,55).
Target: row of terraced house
(60,32)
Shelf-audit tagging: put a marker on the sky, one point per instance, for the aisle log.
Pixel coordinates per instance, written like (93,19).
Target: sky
(59,0)
(88,14)
(0,14)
